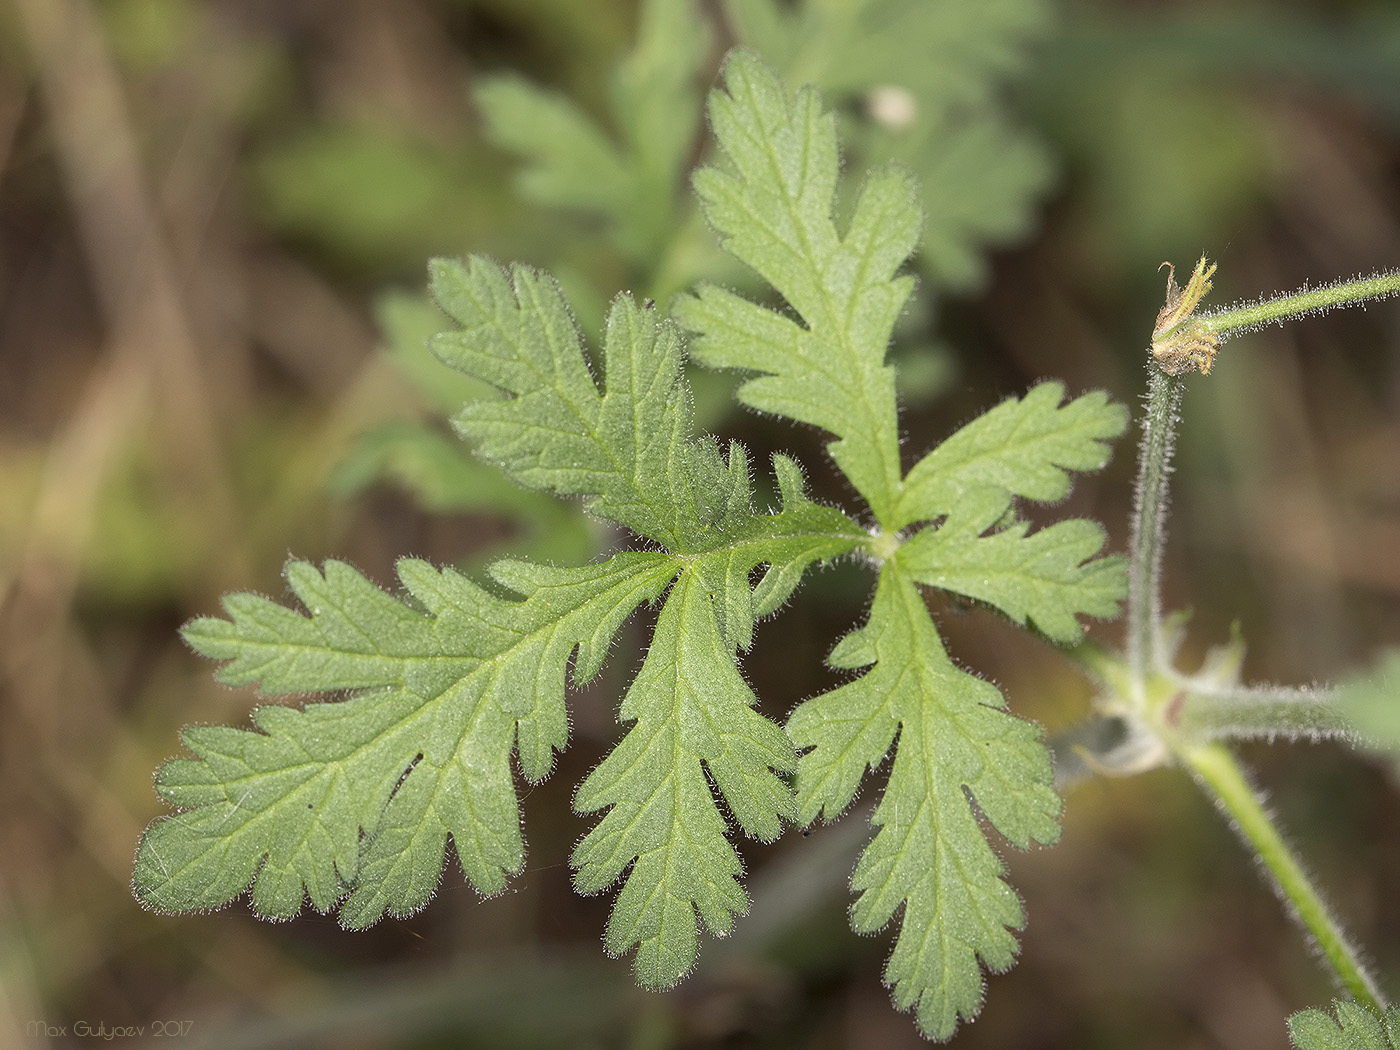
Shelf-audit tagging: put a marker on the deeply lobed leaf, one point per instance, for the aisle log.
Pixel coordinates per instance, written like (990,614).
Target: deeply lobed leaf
(948,53)
(956,748)
(1022,447)
(1047,578)
(627,448)
(965,488)
(442,693)
(355,800)
(694,727)
(774,212)
(693,714)
(930,858)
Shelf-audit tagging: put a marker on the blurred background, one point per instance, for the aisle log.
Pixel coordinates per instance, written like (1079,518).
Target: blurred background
(214,222)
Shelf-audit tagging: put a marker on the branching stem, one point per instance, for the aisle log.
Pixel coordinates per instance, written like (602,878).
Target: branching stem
(1153,696)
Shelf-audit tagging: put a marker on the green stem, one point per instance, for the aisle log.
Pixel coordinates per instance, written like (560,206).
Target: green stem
(1149,518)
(1270,711)
(1216,770)
(1309,300)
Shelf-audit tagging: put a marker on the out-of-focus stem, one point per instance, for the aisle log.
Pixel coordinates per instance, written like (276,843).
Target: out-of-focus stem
(1217,771)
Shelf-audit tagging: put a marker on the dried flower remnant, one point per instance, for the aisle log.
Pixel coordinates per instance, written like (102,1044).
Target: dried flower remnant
(1181,342)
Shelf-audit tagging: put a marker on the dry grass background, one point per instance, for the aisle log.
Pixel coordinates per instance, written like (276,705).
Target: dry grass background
(199,200)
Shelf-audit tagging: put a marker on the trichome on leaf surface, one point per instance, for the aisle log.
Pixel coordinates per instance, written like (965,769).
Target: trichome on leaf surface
(350,803)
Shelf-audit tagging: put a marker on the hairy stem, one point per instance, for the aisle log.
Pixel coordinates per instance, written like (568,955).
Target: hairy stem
(1149,518)
(1183,714)
(1308,300)
(1268,711)
(1219,774)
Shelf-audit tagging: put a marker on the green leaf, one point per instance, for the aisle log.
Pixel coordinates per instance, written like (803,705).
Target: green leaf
(439,471)
(627,449)
(1046,578)
(957,748)
(352,802)
(970,482)
(1356,1028)
(773,211)
(694,725)
(981,177)
(358,797)
(442,691)
(948,53)
(377,194)
(693,714)
(1020,448)
(355,800)
(572,162)
(631,178)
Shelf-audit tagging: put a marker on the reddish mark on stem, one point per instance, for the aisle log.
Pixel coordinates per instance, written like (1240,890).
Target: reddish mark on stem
(1172,714)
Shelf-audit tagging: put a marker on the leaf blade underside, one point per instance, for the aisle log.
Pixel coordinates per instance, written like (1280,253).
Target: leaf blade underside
(445,685)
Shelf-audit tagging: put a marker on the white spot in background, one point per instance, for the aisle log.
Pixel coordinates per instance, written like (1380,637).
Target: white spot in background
(893,107)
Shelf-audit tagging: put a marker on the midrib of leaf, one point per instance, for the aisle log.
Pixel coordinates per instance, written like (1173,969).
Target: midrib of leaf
(649,568)
(681,443)
(746,547)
